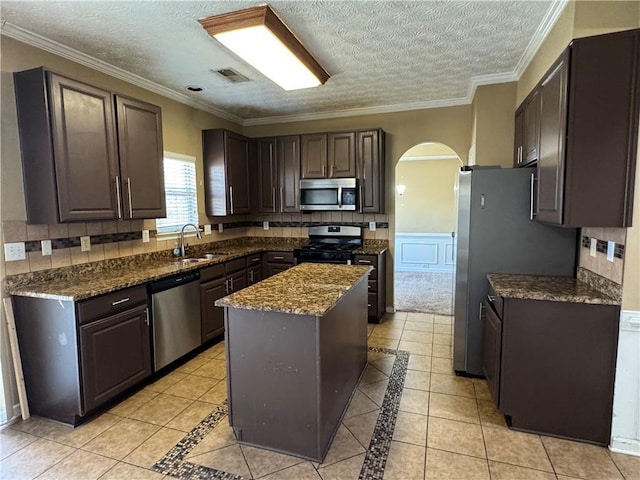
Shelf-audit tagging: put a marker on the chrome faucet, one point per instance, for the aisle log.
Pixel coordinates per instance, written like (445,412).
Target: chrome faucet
(182,248)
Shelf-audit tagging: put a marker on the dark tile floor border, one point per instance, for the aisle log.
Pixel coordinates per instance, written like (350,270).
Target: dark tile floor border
(174,464)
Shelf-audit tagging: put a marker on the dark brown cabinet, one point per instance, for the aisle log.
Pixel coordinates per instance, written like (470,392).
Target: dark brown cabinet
(76,356)
(550,366)
(278,165)
(87,154)
(276,262)
(216,282)
(377,283)
(370,151)
(589,110)
(226,160)
(254,269)
(328,155)
(527,133)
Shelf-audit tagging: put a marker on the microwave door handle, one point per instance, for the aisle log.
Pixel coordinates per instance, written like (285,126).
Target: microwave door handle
(339,197)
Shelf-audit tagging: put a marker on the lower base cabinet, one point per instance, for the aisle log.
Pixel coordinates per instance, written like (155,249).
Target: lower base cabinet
(377,303)
(276,262)
(551,365)
(76,356)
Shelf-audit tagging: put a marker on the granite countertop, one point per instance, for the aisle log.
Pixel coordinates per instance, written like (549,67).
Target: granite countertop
(372,247)
(550,288)
(306,289)
(89,280)
(79,282)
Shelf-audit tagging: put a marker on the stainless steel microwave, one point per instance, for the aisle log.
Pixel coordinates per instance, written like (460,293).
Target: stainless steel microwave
(328,194)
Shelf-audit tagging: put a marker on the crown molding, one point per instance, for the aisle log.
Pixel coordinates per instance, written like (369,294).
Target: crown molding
(545,26)
(43,43)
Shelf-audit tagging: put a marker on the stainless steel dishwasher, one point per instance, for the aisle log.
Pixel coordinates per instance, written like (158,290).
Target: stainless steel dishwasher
(175,306)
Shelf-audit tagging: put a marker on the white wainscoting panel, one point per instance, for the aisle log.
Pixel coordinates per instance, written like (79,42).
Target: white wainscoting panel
(424,252)
(625,427)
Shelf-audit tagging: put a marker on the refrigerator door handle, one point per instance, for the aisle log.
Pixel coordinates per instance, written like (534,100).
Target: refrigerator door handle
(532,213)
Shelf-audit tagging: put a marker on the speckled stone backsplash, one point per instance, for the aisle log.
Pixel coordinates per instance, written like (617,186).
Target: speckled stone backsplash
(600,283)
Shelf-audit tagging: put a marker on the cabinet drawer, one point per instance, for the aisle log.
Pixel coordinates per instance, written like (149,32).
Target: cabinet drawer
(214,271)
(372,287)
(495,301)
(372,304)
(369,260)
(111,303)
(253,260)
(280,257)
(235,265)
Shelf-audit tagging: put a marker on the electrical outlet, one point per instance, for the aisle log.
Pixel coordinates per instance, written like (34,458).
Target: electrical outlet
(207,229)
(145,236)
(265,225)
(611,248)
(372,226)
(220,228)
(45,246)
(593,247)
(85,243)
(14,251)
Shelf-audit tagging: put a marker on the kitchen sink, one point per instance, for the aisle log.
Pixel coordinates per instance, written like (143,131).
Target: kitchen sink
(203,258)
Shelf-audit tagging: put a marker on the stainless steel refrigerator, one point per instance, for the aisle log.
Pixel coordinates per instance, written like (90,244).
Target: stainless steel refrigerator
(495,234)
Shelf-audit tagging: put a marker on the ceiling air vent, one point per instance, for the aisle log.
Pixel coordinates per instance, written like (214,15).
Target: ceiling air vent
(231,75)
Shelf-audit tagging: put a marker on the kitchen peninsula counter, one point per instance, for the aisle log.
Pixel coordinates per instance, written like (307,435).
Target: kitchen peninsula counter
(549,288)
(296,345)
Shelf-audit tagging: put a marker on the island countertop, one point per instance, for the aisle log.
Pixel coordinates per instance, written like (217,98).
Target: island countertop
(550,288)
(306,289)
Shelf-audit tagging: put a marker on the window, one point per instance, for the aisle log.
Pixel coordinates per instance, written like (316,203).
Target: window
(180,193)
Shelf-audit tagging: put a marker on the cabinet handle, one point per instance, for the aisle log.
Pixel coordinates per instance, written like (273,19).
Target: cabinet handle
(226,286)
(278,258)
(251,276)
(118,196)
(364,261)
(273,199)
(331,171)
(491,299)
(480,312)
(231,284)
(146,316)
(129,194)
(231,198)
(324,168)
(360,199)
(281,200)
(531,197)
(118,302)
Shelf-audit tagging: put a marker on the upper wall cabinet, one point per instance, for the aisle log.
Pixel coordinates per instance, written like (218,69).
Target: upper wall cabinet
(371,155)
(328,155)
(226,172)
(589,110)
(527,134)
(87,154)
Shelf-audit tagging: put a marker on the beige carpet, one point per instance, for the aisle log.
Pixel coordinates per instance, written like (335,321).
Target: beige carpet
(424,292)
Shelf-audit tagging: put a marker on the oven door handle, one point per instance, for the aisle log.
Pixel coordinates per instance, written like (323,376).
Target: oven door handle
(339,197)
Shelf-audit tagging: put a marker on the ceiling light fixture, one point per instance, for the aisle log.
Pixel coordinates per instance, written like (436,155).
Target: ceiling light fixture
(260,38)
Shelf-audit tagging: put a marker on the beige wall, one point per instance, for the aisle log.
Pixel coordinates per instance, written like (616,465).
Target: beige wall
(181,124)
(494,124)
(631,279)
(428,203)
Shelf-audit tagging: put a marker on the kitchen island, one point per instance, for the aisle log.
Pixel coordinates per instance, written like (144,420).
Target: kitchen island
(296,345)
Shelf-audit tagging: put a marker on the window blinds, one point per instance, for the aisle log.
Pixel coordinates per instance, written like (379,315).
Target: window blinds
(181,196)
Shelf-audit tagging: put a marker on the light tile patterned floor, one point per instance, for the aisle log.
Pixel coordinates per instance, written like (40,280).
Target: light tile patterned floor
(446,428)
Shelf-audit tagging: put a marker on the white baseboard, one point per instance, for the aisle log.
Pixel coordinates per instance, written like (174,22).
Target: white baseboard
(628,446)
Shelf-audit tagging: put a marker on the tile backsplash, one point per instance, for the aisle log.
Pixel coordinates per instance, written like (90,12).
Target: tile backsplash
(599,264)
(124,238)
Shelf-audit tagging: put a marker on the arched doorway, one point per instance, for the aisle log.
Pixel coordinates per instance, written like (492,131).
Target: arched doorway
(426,210)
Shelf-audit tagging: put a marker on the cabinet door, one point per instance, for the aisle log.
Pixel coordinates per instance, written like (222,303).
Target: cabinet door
(237,281)
(341,155)
(518,147)
(237,166)
(254,275)
(212,316)
(85,150)
(288,152)
(531,129)
(313,156)
(141,162)
(267,165)
(115,354)
(273,268)
(492,350)
(370,155)
(553,114)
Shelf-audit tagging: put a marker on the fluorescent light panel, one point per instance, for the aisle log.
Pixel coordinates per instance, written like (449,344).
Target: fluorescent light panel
(260,38)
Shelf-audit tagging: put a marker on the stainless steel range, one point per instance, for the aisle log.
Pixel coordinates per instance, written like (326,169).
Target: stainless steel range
(330,244)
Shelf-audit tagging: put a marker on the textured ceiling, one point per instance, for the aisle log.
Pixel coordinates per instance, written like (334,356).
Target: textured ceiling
(380,54)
